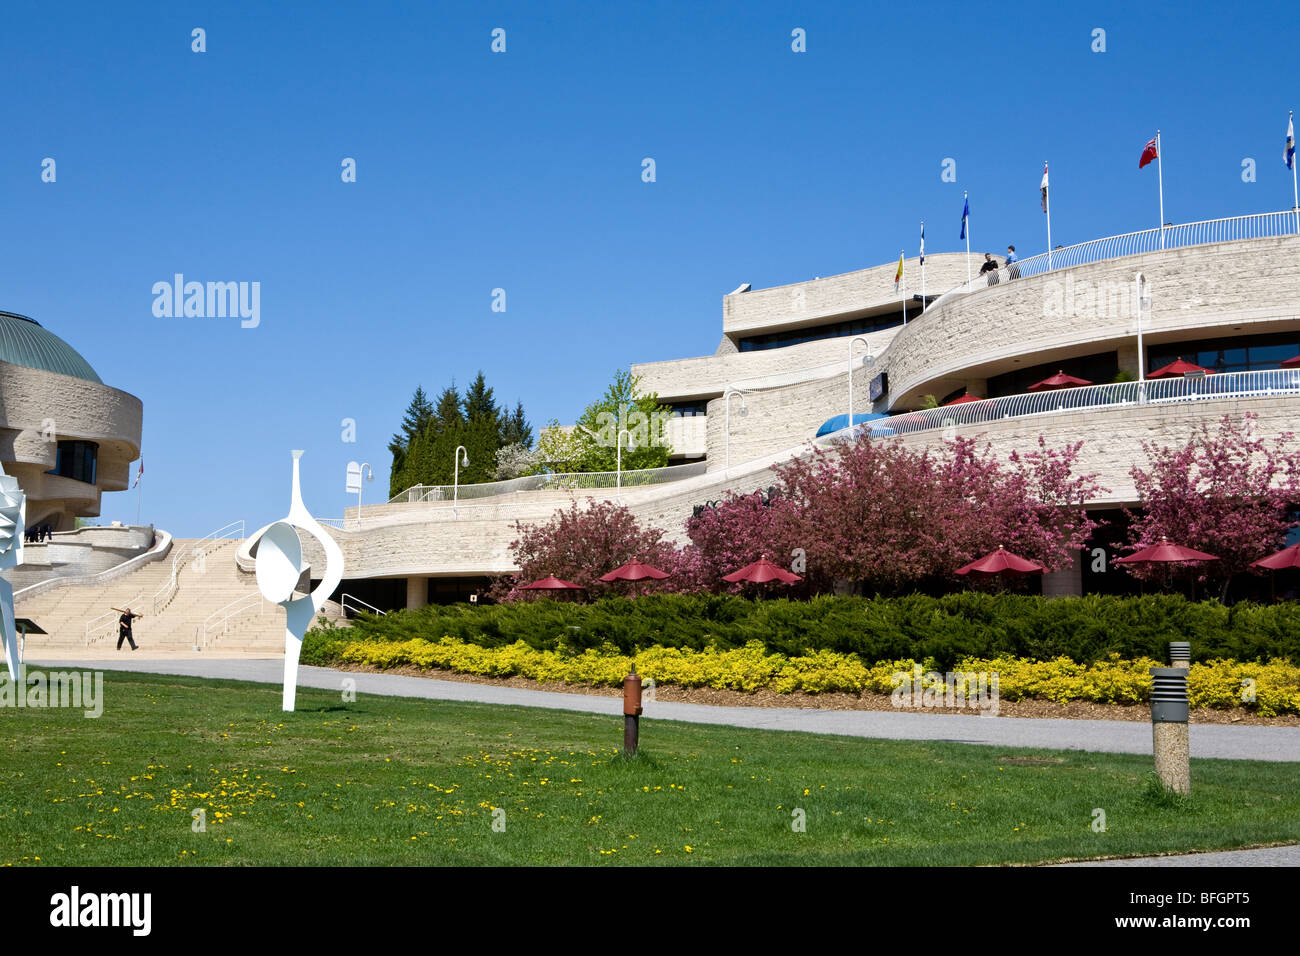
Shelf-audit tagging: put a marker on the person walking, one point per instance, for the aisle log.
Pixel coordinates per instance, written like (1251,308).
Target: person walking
(124,627)
(1013,270)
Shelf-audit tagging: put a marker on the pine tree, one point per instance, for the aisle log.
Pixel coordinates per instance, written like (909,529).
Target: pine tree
(516,429)
(419,413)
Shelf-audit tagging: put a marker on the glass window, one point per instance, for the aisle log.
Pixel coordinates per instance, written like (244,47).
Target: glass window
(77,460)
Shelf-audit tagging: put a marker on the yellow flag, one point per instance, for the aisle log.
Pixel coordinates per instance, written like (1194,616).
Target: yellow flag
(898,276)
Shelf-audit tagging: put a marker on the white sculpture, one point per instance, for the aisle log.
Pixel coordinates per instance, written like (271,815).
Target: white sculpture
(13,523)
(279,567)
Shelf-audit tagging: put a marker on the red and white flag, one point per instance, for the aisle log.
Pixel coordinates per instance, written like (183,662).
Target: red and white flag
(1149,153)
(139,474)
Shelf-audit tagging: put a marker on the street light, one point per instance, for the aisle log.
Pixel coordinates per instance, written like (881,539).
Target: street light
(457,462)
(726,398)
(870,359)
(618,457)
(365,467)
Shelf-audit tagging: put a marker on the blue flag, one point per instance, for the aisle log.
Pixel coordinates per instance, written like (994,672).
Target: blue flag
(965,214)
(1289,153)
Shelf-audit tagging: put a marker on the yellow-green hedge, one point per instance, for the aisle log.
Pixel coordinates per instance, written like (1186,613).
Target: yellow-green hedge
(1218,684)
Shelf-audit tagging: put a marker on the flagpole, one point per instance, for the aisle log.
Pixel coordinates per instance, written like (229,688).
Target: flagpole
(1295,193)
(922,265)
(1160,175)
(965,199)
(1048,210)
(139,498)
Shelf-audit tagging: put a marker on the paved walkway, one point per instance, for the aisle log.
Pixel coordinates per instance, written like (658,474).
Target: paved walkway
(1279,744)
(1270,856)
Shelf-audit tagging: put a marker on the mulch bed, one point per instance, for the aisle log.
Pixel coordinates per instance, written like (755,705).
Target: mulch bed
(1078,710)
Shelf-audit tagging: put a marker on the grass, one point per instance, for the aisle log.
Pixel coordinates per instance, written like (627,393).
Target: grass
(386,780)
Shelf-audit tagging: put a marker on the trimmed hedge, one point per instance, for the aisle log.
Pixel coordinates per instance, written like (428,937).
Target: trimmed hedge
(942,629)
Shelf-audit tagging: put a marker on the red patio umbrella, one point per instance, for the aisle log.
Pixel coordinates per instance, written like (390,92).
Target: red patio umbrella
(1002,561)
(963,400)
(1164,552)
(551,583)
(1059,380)
(1292,362)
(1286,558)
(760,572)
(634,571)
(1178,367)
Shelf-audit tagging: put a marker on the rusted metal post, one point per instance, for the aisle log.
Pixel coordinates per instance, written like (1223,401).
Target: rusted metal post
(631,712)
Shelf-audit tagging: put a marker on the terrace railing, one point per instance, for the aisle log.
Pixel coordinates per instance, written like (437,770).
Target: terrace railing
(196,552)
(558,482)
(1265,225)
(1150,392)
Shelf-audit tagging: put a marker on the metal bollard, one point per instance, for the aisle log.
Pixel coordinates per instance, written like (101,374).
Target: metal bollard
(631,712)
(1180,654)
(1169,728)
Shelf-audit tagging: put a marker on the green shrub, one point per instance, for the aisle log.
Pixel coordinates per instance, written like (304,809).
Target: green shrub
(944,629)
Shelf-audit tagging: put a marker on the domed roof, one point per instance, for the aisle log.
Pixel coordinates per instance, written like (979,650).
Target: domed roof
(24,342)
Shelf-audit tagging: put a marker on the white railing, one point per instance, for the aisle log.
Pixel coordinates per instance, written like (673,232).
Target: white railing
(332,522)
(358,606)
(1151,392)
(1264,225)
(559,482)
(198,552)
(97,628)
(218,622)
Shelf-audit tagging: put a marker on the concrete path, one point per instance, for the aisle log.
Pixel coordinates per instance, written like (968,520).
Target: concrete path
(1270,856)
(1279,744)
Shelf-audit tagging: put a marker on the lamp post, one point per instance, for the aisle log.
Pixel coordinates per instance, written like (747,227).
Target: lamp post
(1143,301)
(455,487)
(853,341)
(618,457)
(365,467)
(726,398)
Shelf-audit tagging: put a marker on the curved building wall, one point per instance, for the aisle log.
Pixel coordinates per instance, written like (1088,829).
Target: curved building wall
(32,400)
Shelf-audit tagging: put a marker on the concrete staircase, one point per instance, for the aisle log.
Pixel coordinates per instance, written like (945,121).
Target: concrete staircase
(214,593)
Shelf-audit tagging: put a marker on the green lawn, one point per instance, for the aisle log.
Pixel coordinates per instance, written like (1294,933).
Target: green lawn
(395,781)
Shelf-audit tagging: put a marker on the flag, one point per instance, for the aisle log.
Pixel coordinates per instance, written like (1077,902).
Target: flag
(1148,153)
(922,242)
(139,474)
(965,214)
(898,276)
(1288,154)
(1043,187)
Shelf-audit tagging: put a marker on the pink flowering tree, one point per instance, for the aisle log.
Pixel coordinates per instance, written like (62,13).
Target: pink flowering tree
(736,531)
(1227,492)
(581,544)
(876,513)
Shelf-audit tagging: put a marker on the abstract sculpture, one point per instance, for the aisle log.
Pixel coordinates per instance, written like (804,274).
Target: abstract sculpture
(280,566)
(13,522)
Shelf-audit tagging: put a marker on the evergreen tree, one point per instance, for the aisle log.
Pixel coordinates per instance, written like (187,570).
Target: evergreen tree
(516,429)
(419,413)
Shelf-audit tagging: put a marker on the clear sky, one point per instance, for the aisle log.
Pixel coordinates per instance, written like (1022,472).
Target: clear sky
(522,171)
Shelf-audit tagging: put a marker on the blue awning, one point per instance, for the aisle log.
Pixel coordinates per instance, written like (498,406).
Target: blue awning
(841,422)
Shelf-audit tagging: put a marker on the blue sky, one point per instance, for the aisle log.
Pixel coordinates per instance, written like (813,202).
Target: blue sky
(522,171)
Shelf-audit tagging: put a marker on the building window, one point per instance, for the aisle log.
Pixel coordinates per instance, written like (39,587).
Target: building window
(689,409)
(76,460)
(1244,353)
(778,340)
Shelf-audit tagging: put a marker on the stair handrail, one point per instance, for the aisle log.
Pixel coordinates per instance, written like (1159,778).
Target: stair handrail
(361,605)
(222,616)
(97,626)
(217,538)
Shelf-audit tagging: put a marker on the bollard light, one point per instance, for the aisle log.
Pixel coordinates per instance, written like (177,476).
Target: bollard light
(1169,735)
(1180,654)
(631,712)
